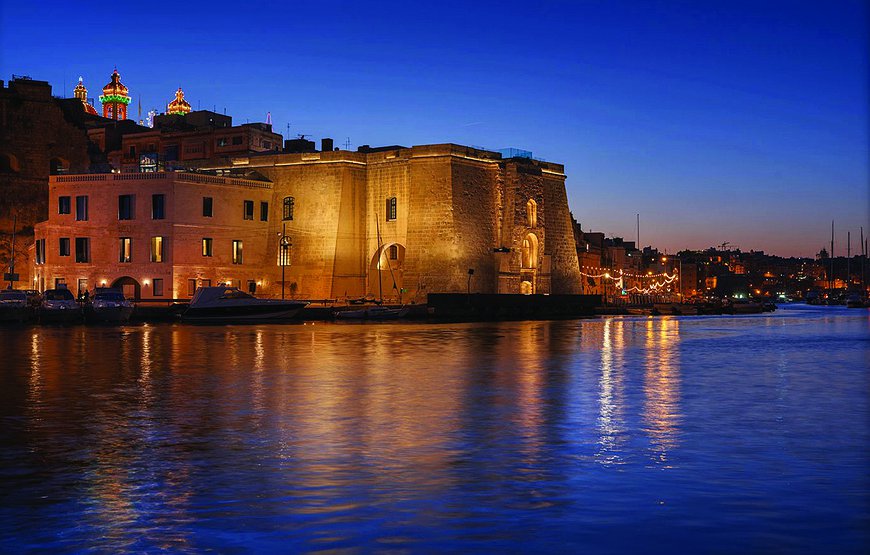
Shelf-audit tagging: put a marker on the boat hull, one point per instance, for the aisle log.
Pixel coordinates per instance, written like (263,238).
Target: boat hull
(60,315)
(109,315)
(15,314)
(242,314)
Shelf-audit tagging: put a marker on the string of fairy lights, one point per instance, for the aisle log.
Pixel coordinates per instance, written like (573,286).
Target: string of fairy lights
(658,284)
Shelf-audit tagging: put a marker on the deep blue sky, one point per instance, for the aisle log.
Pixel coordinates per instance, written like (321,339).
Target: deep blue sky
(730,121)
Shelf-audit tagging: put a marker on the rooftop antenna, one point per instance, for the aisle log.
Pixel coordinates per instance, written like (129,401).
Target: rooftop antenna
(288,128)
(848,258)
(638,231)
(347,144)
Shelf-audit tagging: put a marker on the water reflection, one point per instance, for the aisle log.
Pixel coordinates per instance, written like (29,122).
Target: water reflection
(459,436)
(661,411)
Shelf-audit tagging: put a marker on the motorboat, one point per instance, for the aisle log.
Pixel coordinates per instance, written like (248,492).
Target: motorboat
(14,306)
(230,305)
(109,306)
(373,313)
(59,307)
(855,300)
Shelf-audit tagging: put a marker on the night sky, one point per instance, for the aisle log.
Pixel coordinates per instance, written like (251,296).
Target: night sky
(744,122)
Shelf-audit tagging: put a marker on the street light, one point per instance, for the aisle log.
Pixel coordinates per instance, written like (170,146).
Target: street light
(285,247)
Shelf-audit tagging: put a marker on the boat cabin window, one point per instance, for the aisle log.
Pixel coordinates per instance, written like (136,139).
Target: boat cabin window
(116,296)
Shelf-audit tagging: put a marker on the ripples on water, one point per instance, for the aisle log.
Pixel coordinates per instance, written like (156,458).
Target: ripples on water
(722,434)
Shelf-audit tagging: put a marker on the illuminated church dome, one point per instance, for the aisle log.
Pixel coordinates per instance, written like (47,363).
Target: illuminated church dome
(115,98)
(179,105)
(81,93)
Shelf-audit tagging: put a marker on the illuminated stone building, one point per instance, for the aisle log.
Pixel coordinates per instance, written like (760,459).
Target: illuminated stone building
(395,222)
(424,216)
(156,235)
(115,98)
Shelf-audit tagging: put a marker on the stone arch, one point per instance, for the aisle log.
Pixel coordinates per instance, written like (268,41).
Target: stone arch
(529,252)
(130,287)
(58,166)
(9,163)
(532,212)
(390,258)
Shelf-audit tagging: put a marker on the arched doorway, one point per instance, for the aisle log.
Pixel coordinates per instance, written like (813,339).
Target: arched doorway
(528,264)
(8,163)
(130,287)
(386,271)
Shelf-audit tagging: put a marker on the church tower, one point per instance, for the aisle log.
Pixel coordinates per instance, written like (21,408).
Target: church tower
(81,93)
(115,98)
(179,105)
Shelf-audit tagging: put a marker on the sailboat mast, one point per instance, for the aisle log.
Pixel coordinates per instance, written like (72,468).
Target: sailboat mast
(832,255)
(12,264)
(848,259)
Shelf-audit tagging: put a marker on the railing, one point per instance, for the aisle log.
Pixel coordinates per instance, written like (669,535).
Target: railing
(143,176)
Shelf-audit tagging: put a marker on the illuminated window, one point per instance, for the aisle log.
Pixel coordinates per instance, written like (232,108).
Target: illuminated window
(125,249)
(157,249)
(63,246)
(82,208)
(248,209)
(126,207)
(158,207)
(391,208)
(289,203)
(83,249)
(191,287)
(264,211)
(532,212)
(207,207)
(63,205)
(530,252)
(237,251)
(206,246)
(158,287)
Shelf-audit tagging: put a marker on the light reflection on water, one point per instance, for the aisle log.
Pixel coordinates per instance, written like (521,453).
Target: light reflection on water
(650,434)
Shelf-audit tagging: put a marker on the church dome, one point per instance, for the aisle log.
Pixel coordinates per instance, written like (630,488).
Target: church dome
(179,105)
(115,98)
(81,93)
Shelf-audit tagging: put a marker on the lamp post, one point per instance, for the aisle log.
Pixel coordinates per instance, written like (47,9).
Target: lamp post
(285,247)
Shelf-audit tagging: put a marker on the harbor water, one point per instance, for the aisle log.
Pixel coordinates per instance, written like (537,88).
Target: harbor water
(712,434)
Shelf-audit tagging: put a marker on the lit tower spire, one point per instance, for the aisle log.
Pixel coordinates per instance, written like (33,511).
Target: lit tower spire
(115,98)
(81,93)
(179,105)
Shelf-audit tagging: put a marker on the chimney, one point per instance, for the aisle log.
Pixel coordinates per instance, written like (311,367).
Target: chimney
(326,145)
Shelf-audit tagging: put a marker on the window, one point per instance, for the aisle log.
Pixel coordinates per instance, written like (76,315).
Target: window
(264,211)
(191,287)
(237,140)
(207,207)
(126,207)
(83,249)
(289,203)
(158,286)
(158,207)
(206,246)
(125,249)
(63,246)
(132,152)
(40,251)
(157,249)
(82,286)
(237,251)
(391,208)
(222,142)
(532,212)
(249,210)
(394,252)
(82,208)
(63,205)
(252,286)
(206,283)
